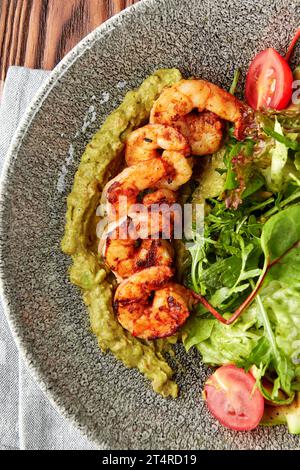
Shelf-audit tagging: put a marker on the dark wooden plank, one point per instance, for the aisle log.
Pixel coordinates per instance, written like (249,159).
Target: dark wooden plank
(38,33)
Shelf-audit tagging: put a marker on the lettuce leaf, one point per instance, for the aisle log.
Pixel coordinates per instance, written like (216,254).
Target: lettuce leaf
(225,344)
(196,331)
(282,302)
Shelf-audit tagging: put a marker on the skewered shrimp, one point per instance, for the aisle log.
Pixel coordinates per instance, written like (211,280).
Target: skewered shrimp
(169,172)
(186,95)
(161,196)
(125,253)
(183,170)
(149,305)
(158,216)
(144,143)
(126,256)
(122,191)
(203,131)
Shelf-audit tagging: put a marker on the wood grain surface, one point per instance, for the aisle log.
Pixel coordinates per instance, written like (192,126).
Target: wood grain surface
(38,33)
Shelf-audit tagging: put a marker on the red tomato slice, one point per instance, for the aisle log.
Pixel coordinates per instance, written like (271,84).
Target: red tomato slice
(232,399)
(269,81)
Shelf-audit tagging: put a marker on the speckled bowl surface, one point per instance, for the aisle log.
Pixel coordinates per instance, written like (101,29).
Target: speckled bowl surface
(108,402)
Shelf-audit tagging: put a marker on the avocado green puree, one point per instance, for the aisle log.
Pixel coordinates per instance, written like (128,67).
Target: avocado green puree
(98,164)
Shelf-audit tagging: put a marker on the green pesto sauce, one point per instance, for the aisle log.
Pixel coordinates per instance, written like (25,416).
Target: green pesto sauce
(98,164)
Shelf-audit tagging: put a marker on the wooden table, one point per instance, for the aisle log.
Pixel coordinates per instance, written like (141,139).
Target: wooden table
(38,33)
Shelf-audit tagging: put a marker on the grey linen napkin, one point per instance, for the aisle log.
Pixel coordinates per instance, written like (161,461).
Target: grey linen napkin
(27,419)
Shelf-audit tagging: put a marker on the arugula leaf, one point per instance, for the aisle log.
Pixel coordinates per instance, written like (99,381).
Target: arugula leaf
(223,272)
(261,358)
(270,390)
(281,204)
(226,256)
(254,184)
(243,273)
(260,354)
(231,177)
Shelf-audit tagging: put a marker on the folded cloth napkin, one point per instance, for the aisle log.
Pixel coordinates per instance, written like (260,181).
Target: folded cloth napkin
(27,419)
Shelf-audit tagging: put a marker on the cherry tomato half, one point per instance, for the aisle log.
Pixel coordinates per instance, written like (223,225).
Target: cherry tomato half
(269,81)
(232,399)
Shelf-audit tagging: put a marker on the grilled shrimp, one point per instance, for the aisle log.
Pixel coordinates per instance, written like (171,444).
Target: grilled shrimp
(125,253)
(149,305)
(159,215)
(204,131)
(144,143)
(168,172)
(122,191)
(160,196)
(182,170)
(128,256)
(186,95)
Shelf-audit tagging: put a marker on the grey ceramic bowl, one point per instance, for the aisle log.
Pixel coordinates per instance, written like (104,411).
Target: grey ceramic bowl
(108,402)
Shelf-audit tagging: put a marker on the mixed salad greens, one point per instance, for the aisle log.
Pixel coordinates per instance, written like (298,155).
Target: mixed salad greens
(247,261)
